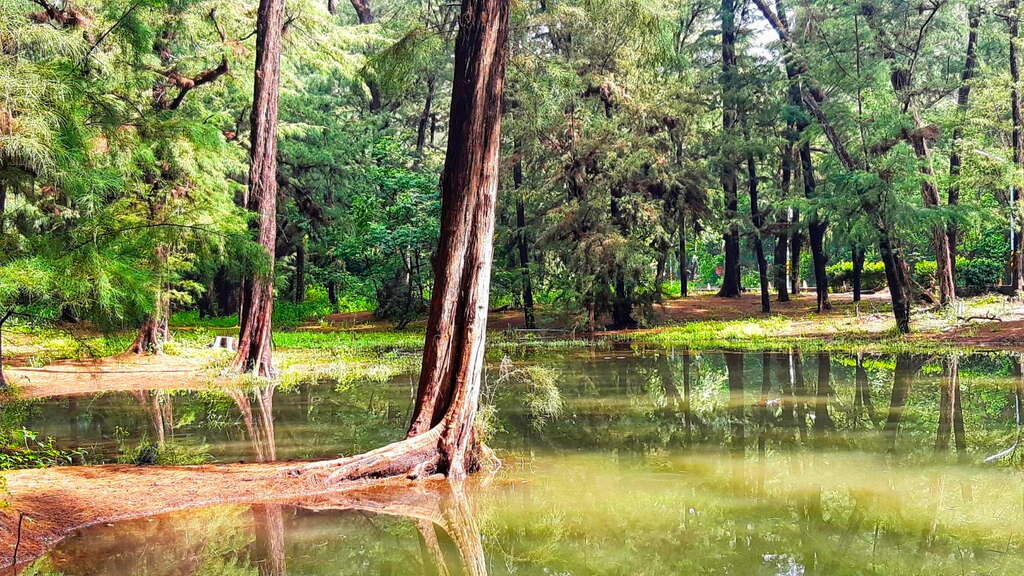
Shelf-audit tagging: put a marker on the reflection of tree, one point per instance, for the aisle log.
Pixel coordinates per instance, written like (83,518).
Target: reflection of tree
(441,512)
(951,415)
(734,367)
(822,419)
(862,394)
(268,548)
(161,413)
(907,366)
(259,423)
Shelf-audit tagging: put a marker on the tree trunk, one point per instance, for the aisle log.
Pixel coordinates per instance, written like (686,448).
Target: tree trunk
(755,215)
(363,11)
(440,437)
(817,225)
(524,248)
(897,276)
(796,241)
(684,274)
(258,290)
(424,122)
(332,294)
(3,320)
(962,100)
(779,276)
(3,208)
(148,340)
(858,269)
(622,298)
(731,239)
(299,279)
(1017,255)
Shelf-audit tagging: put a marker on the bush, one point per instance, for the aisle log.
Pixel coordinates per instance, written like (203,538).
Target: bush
(978,273)
(840,275)
(923,273)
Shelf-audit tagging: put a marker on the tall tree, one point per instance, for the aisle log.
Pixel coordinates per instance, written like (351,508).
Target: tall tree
(730,118)
(441,437)
(258,289)
(963,96)
(1017,138)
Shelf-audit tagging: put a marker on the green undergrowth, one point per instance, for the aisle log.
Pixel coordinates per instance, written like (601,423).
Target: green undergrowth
(771,334)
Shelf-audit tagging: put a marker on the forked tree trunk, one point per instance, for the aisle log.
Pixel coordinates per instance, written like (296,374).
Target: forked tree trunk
(441,436)
(258,290)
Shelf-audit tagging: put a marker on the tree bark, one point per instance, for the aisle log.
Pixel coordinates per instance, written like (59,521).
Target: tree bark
(755,215)
(1017,256)
(684,274)
(258,290)
(299,279)
(817,225)
(858,269)
(962,101)
(363,11)
(440,438)
(731,239)
(796,241)
(779,275)
(524,247)
(3,320)
(424,122)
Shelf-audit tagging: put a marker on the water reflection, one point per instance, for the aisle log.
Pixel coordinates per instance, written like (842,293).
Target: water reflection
(406,529)
(906,406)
(658,462)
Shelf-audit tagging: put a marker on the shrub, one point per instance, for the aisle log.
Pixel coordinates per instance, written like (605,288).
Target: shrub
(840,275)
(924,273)
(978,273)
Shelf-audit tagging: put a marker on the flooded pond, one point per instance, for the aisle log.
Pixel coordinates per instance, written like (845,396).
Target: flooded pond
(616,462)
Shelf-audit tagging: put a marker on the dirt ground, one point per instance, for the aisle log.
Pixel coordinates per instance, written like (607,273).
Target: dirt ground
(124,372)
(49,504)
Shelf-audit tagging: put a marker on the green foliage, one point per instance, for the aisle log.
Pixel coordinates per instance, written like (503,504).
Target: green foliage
(872,277)
(978,273)
(147,453)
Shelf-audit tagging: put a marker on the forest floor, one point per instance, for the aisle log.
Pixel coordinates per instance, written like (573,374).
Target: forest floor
(356,345)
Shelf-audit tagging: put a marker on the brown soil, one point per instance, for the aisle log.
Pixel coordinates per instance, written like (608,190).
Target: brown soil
(52,503)
(124,372)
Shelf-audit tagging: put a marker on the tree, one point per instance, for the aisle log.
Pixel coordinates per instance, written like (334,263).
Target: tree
(731,239)
(441,436)
(254,338)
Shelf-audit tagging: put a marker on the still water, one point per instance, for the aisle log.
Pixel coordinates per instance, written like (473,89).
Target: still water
(616,462)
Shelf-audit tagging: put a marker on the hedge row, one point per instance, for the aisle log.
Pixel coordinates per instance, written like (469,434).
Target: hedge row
(974,273)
